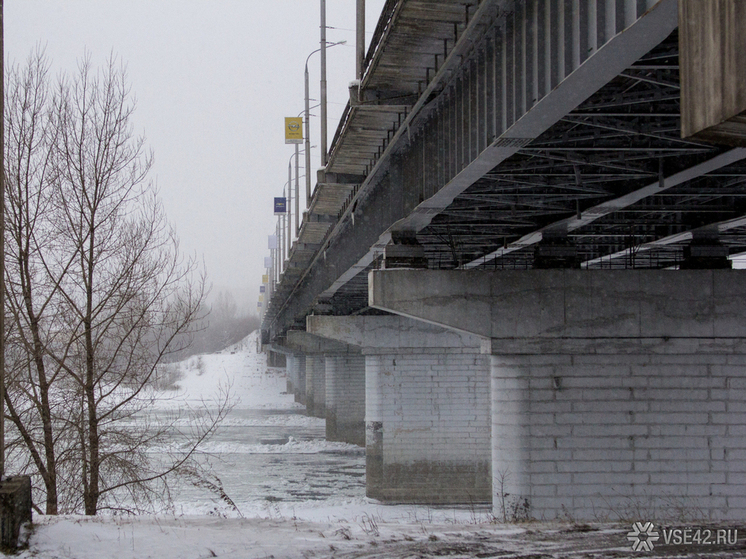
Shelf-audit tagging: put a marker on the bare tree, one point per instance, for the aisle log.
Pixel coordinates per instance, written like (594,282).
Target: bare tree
(128,294)
(100,296)
(30,292)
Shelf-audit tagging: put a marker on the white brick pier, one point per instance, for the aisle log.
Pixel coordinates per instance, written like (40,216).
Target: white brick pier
(345,398)
(615,394)
(427,408)
(296,371)
(334,380)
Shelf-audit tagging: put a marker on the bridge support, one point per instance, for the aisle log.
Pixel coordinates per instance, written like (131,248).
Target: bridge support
(296,370)
(345,398)
(316,385)
(426,408)
(334,385)
(614,393)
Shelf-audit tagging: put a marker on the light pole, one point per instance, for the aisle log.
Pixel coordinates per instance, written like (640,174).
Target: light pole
(360,40)
(308,126)
(297,191)
(297,197)
(288,203)
(282,232)
(322,94)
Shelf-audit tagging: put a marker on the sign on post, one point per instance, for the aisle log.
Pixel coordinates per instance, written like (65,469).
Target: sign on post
(281,206)
(293,130)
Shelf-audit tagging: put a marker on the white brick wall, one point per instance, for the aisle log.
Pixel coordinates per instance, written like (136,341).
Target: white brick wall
(315,384)
(623,436)
(296,368)
(345,398)
(433,407)
(345,386)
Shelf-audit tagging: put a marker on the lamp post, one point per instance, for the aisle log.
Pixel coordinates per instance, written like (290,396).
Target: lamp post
(297,196)
(322,94)
(288,203)
(360,40)
(283,217)
(323,124)
(297,190)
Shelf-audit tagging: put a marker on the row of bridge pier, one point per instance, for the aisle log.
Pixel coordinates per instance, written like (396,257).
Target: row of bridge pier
(547,393)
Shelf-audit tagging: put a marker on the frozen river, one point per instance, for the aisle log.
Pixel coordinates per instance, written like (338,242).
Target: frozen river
(266,456)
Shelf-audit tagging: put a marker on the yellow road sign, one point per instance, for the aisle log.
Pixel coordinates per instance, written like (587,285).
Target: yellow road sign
(293,130)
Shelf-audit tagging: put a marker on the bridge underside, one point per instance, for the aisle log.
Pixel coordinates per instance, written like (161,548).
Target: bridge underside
(489,144)
(613,181)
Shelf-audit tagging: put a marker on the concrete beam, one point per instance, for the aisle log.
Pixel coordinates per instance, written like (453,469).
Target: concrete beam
(278,348)
(713,62)
(644,306)
(299,341)
(382,333)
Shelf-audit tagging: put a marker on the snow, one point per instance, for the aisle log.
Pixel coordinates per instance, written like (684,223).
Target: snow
(187,538)
(367,532)
(341,523)
(241,370)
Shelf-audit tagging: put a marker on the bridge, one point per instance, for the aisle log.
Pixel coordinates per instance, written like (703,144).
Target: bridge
(513,283)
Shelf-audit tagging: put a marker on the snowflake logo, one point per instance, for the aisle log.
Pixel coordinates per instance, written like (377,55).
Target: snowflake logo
(642,536)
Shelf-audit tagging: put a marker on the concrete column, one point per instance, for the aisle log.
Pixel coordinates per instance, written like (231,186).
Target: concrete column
(374,394)
(616,432)
(434,418)
(315,385)
(314,368)
(615,394)
(290,365)
(296,367)
(345,398)
(427,407)
(510,438)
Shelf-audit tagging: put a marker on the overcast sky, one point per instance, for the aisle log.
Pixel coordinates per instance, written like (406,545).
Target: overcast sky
(214,80)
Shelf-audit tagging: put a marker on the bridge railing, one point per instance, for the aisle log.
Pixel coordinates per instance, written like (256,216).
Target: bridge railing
(377,41)
(340,130)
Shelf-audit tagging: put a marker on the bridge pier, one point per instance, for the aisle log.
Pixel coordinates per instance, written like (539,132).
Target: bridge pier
(345,398)
(615,394)
(426,409)
(316,385)
(334,385)
(311,350)
(296,371)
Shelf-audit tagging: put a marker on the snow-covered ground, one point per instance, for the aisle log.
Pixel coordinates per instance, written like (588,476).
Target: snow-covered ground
(298,495)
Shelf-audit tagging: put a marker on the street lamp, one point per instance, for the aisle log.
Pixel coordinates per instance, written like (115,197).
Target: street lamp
(323,123)
(297,192)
